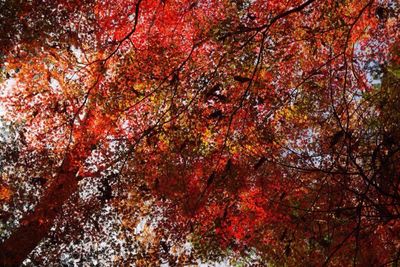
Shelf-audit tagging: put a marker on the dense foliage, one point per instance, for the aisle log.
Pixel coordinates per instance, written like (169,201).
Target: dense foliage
(161,131)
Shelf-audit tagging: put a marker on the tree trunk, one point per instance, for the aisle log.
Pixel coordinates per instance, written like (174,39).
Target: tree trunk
(35,226)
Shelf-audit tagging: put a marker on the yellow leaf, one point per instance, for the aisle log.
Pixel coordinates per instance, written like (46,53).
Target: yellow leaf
(5,193)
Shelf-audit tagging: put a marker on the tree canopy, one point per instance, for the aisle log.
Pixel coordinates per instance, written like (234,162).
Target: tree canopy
(248,132)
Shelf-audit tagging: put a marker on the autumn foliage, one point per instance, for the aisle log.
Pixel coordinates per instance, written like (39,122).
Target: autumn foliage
(257,132)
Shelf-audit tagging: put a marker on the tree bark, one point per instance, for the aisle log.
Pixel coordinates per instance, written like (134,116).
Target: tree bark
(35,226)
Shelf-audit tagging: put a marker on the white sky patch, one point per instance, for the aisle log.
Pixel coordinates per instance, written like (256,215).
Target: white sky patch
(5,89)
(54,84)
(77,52)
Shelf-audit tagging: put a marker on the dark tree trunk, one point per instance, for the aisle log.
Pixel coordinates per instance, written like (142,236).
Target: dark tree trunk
(35,226)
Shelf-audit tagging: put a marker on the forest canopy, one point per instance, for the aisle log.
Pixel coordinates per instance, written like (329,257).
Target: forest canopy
(180,133)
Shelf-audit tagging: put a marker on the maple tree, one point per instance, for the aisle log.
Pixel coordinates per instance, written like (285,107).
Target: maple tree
(262,131)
